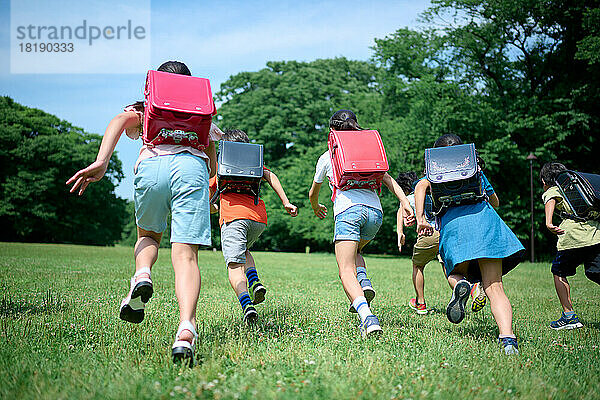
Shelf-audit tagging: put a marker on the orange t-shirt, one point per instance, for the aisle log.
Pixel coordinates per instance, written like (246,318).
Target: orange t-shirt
(239,206)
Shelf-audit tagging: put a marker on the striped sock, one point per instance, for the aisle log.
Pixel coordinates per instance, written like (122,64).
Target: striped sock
(361,273)
(361,306)
(252,276)
(244,300)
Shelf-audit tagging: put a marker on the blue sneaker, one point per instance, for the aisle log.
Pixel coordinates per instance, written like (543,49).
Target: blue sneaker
(565,322)
(456,308)
(511,347)
(369,292)
(370,327)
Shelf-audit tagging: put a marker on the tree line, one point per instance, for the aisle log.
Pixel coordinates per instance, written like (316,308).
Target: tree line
(513,77)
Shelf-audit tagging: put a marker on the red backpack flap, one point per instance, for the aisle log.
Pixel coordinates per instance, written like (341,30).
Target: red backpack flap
(358,159)
(178,110)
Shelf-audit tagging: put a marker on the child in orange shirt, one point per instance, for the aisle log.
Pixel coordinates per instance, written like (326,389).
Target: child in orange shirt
(242,222)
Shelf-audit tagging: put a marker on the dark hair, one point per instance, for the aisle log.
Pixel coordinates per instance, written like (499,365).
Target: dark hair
(550,171)
(406,181)
(450,139)
(344,120)
(174,67)
(235,135)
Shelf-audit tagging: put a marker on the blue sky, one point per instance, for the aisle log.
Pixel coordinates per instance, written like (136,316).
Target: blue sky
(216,40)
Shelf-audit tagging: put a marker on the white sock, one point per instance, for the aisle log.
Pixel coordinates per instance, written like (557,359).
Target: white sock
(361,306)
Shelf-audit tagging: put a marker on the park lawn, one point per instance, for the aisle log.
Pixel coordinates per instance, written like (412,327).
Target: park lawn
(61,337)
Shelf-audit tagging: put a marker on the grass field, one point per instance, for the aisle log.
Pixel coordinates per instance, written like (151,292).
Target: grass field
(61,337)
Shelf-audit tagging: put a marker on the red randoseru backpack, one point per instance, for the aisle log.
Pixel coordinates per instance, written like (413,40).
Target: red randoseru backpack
(178,109)
(358,159)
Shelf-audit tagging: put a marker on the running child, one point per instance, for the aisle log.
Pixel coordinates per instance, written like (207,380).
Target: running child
(168,178)
(426,249)
(242,222)
(578,243)
(474,232)
(358,216)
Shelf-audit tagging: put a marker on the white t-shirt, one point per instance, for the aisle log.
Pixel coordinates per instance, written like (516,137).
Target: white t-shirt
(345,199)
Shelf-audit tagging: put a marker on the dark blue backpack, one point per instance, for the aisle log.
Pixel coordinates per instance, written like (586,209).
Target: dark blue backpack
(581,191)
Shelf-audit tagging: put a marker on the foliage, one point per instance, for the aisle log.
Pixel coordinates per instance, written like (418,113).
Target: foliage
(38,153)
(513,77)
(62,337)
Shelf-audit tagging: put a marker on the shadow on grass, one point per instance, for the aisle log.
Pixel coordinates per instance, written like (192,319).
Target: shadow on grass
(51,303)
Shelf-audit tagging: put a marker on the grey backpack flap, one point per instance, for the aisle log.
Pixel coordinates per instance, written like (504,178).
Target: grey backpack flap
(454,176)
(581,191)
(240,169)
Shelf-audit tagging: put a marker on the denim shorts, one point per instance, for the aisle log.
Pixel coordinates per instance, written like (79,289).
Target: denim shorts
(566,262)
(356,223)
(237,237)
(176,183)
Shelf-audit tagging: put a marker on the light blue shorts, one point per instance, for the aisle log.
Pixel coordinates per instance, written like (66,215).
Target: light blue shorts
(357,223)
(177,183)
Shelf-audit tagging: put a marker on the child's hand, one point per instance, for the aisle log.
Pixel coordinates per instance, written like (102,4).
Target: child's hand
(82,178)
(555,229)
(423,228)
(409,216)
(291,209)
(320,211)
(401,240)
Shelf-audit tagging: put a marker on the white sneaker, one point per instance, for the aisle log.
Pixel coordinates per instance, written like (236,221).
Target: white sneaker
(183,351)
(140,292)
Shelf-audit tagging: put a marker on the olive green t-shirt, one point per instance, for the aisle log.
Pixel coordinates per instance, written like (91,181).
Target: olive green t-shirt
(577,234)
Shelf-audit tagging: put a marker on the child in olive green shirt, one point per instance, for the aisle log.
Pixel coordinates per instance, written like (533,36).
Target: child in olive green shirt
(578,243)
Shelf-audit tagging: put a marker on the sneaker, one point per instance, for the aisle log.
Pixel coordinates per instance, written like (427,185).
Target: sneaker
(565,322)
(478,296)
(257,292)
(182,350)
(140,292)
(370,327)
(368,291)
(456,308)
(420,308)
(511,347)
(250,314)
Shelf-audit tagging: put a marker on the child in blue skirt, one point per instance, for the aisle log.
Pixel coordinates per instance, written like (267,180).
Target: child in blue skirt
(476,245)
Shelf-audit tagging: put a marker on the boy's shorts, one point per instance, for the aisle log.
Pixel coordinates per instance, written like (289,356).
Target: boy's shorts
(237,237)
(566,262)
(356,223)
(177,183)
(426,249)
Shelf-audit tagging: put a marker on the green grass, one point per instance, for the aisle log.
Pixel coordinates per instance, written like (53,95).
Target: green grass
(60,335)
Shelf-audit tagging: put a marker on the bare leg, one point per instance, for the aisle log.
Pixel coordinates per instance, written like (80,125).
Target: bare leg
(237,278)
(145,251)
(419,282)
(345,254)
(249,261)
(187,282)
(563,290)
(491,273)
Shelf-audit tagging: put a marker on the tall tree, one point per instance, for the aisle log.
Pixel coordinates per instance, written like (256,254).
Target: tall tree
(38,153)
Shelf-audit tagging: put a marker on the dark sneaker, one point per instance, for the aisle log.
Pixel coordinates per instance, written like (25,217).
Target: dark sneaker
(250,314)
(370,327)
(257,292)
(369,292)
(565,322)
(511,347)
(456,308)
(132,306)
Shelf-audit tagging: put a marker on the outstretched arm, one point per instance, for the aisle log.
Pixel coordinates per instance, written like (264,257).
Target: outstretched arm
(313,195)
(399,193)
(423,227)
(272,179)
(96,170)
(400,228)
